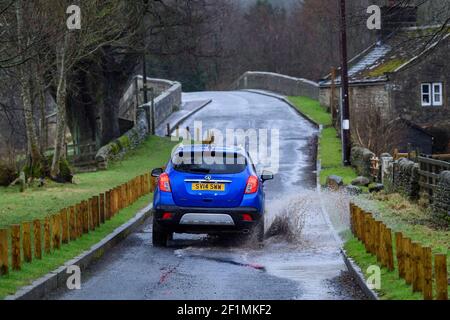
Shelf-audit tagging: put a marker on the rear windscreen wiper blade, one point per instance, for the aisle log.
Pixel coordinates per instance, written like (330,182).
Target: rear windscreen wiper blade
(200,170)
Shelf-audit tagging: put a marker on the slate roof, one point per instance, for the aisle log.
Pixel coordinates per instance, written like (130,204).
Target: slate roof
(392,54)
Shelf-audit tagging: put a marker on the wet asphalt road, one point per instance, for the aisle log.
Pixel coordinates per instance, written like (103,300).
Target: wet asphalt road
(198,267)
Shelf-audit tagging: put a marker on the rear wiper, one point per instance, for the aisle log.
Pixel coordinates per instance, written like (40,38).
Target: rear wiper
(200,170)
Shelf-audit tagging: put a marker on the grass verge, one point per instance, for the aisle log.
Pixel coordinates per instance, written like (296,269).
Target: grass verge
(414,222)
(36,203)
(330,152)
(30,271)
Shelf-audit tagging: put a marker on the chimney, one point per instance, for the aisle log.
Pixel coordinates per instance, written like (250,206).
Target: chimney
(395,16)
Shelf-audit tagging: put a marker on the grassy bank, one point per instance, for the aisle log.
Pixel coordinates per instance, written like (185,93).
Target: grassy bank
(330,153)
(36,203)
(30,271)
(394,210)
(415,222)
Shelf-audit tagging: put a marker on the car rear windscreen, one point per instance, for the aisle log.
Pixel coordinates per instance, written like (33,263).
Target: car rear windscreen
(209,162)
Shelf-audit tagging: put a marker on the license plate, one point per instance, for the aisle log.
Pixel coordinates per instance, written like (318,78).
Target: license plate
(208,187)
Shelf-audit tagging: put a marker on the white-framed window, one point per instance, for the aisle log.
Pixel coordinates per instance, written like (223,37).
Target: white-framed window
(431,94)
(437,94)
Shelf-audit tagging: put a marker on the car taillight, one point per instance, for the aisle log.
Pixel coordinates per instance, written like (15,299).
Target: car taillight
(252,185)
(164,183)
(167,216)
(247,217)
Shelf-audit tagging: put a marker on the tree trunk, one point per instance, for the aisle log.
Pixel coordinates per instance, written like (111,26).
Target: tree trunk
(60,109)
(25,86)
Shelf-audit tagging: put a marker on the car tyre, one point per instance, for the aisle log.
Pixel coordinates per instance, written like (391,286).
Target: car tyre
(259,231)
(159,235)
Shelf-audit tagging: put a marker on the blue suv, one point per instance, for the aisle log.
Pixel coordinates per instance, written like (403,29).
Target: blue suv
(208,190)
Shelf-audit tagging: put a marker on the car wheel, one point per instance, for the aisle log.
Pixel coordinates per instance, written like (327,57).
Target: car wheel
(260,231)
(159,235)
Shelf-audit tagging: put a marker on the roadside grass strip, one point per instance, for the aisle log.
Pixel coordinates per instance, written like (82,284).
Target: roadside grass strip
(43,228)
(330,151)
(412,266)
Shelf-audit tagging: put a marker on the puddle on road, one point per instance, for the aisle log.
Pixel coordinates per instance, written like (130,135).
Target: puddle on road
(299,244)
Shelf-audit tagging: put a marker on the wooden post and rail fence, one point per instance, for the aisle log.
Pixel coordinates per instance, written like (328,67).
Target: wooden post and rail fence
(414,261)
(30,240)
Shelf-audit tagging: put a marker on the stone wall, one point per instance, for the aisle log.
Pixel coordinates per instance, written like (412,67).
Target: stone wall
(278,83)
(361,96)
(360,159)
(167,102)
(441,197)
(406,178)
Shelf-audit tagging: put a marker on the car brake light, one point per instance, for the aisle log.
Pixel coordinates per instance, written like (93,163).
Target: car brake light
(247,217)
(164,183)
(167,216)
(252,185)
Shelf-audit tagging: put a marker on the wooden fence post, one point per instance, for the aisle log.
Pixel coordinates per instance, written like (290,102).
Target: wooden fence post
(26,242)
(102,208)
(400,254)
(377,240)
(383,245)
(408,263)
(85,217)
(4,263)
(65,226)
(15,247)
(90,210)
(152,184)
(107,204)
(418,274)
(352,220)
(47,246)
(440,271)
(360,224)
(79,219)
(389,250)
(427,274)
(37,233)
(72,224)
(56,232)
(96,208)
(368,232)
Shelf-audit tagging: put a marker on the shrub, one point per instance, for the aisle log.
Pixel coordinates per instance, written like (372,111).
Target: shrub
(7,174)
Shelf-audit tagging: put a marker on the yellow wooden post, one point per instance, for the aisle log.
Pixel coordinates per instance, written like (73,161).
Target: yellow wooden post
(72,224)
(26,242)
(389,250)
(79,219)
(368,233)
(65,226)
(47,236)
(377,239)
(15,247)
(418,273)
(400,254)
(108,205)
(440,271)
(56,232)
(408,260)
(102,208)
(427,274)
(85,217)
(4,263)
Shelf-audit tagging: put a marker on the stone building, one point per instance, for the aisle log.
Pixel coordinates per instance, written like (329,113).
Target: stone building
(406,76)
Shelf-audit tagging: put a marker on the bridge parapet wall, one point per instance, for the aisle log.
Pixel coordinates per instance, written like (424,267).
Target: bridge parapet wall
(167,100)
(278,83)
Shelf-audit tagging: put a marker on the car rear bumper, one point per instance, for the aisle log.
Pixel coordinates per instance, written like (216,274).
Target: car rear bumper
(207,220)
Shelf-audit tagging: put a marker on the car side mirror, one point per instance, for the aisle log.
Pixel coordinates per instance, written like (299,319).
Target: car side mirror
(266,175)
(157,172)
